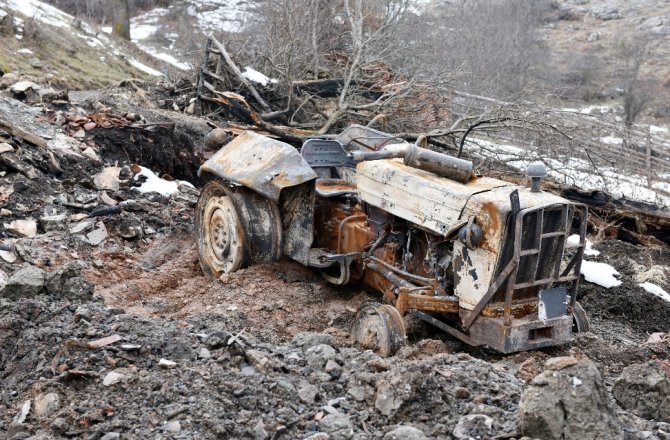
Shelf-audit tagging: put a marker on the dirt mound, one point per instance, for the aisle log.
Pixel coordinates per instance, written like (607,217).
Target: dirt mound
(162,149)
(626,311)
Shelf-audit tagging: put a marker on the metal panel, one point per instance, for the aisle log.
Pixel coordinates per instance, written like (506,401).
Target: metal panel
(262,164)
(432,202)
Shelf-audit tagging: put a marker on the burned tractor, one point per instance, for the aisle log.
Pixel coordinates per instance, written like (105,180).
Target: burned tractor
(484,260)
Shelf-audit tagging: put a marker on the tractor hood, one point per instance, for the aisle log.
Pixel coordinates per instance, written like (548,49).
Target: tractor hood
(260,163)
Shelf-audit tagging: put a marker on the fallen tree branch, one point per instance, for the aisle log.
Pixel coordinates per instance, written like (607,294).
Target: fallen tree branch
(238,73)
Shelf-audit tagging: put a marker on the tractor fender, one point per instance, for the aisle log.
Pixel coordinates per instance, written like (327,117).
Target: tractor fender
(259,163)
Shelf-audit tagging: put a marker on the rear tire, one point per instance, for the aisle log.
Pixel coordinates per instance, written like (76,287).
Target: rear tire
(379,328)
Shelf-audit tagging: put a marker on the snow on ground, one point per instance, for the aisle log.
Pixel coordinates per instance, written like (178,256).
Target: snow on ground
(601,274)
(158,185)
(207,15)
(50,15)
(589,251)
(144,68)
(656,290)
(574,171)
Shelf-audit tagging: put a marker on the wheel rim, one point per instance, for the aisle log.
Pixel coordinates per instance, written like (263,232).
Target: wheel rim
(222,236)
(379,328)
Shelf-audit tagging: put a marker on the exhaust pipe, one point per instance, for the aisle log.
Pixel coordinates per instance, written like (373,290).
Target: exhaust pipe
(422,159)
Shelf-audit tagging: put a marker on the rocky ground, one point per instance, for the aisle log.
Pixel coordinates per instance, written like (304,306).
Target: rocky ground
(108,328)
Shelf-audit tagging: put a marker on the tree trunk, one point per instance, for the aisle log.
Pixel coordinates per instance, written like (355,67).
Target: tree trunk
(121,18)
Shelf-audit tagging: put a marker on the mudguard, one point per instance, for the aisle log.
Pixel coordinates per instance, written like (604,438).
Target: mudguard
(260,163)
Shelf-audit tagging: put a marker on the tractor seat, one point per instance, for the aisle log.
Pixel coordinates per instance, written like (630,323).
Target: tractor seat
(335,188)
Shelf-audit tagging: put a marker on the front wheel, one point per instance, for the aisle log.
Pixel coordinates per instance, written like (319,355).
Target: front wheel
(379,328)
(219,231)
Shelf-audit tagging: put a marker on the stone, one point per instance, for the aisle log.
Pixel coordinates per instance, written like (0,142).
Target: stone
(405,433)
(331,366)
(593,37)
(21,416)
(215,139)
(107,179)
(46,404)
(165,363)
(174,426)
(259,431)
(52,222)
(67,282)
(8,79)
(113,378)
(204,353)
(318,436)
(555,405)
(82,226)
(473,426)
(107,200)
(337,426)
(306,340)
(605,12)
(644,389)
(24,283)
(307,394)
(8,256)
(386,399)
(22,228)
(90,152)
(98,235)
(318,355)
(111,436)
(5,148)
(22,87)
(656,337)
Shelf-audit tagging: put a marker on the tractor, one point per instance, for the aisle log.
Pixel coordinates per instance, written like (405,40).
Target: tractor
(484,260)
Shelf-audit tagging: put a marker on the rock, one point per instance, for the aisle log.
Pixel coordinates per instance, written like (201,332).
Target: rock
(67,282)
(113,378)
(165,363)
(259,431)
(20,417)
(318,436)
(405,433)
(555,405)
(605,12)
(22,228)
(174,426)
(656,337)
(8,256)
(318,355)
(107,179)
(111,436)
(52,222)
(98,235)
(24,283)
(107,200)
(215,139)
(5,148)
(204,353)
(473,426)
(90,152)
(307,394)
(306,340)
(331,366)
(8,79)
(644,389)
(338,426)
(45,404)
(82,226)
(386,400)
(593,37)
(22,87)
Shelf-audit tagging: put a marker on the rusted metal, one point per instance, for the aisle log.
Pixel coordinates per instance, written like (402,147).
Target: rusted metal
(262,164)
(379,327)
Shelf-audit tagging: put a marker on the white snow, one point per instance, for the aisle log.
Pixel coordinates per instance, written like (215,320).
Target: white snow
(25,51)
(657,129)
(255,76)
(158,185)
(600,273)
(612,140)
(574,240)
(574,171)
(144,68)
(656,290)
(39,11)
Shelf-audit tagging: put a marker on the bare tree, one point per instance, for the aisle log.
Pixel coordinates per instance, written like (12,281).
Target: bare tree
(632,50)
(121,18)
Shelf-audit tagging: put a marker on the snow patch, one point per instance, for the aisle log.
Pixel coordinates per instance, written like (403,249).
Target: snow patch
(656,290)
(574,240)
(255,76)
(601,274)
(612,140)
(144,68)
(25,51)
(158,185)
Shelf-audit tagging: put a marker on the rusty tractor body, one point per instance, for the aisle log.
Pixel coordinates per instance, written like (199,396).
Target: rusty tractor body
(484,260)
